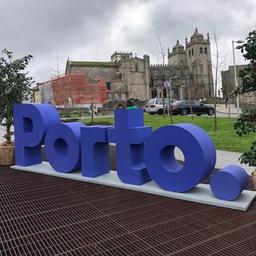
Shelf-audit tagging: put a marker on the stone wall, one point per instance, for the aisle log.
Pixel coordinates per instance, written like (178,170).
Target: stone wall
(118,91)
(135,78)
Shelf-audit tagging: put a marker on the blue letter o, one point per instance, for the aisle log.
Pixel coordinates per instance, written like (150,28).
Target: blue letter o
(197,147)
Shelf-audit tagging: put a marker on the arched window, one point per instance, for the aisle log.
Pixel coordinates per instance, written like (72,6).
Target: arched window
(189,53)
(192,52)
(201,50)
(205,50)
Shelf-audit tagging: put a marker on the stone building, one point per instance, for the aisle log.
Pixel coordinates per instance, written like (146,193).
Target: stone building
(45,90)
(228,79)
(125,76)
(189,68)
(228,85)
(36,96)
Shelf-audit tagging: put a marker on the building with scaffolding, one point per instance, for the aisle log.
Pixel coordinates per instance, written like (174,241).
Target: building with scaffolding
(125,76)
(73,90)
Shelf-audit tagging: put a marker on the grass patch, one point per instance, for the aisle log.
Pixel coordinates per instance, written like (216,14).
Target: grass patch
(225,138)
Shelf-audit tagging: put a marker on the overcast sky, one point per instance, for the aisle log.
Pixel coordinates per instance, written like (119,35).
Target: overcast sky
(94,29)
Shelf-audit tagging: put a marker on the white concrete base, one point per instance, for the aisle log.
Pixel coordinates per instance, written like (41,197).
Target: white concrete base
(200,194)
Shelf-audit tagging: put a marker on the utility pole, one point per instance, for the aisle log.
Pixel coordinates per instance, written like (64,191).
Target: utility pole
(235,74)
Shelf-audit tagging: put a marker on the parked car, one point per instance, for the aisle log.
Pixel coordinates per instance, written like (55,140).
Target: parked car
(155,105)
(184,107)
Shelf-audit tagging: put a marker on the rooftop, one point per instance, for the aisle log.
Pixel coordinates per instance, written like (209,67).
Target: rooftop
(92,63)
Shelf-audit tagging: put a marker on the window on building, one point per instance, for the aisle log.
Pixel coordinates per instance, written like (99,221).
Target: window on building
(201,69)
(192,52)
(108,85)
(201,50)
(136,67)
(189,53)
(205,50)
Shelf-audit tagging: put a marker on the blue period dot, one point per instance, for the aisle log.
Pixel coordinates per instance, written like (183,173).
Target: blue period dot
(228,183)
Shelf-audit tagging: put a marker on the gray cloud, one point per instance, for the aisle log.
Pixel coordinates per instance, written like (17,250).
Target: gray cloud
(85,29)
(44,25)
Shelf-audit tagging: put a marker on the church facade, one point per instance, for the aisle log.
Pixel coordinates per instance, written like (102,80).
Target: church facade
(189,70)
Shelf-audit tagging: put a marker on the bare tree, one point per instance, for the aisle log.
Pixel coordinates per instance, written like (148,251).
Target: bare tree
(163,54)
(220,60)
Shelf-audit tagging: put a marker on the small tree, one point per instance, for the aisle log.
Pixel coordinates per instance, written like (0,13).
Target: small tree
(14,87)
(246,123)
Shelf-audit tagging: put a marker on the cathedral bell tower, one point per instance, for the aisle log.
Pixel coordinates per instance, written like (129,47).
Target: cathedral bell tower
(198,55)
(177,56)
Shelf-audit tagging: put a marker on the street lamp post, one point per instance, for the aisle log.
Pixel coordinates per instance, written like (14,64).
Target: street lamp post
(163,98)
(167,85)
(235,75)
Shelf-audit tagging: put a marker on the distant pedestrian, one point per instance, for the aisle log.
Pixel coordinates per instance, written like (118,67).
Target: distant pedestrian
(130,104)
(120,106)
(93,110)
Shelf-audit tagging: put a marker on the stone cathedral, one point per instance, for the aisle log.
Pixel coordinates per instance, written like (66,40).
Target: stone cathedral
(189,68)
(127,76)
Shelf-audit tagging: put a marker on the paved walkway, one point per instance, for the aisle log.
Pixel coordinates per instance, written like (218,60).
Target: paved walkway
(223,158)
(223,111)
